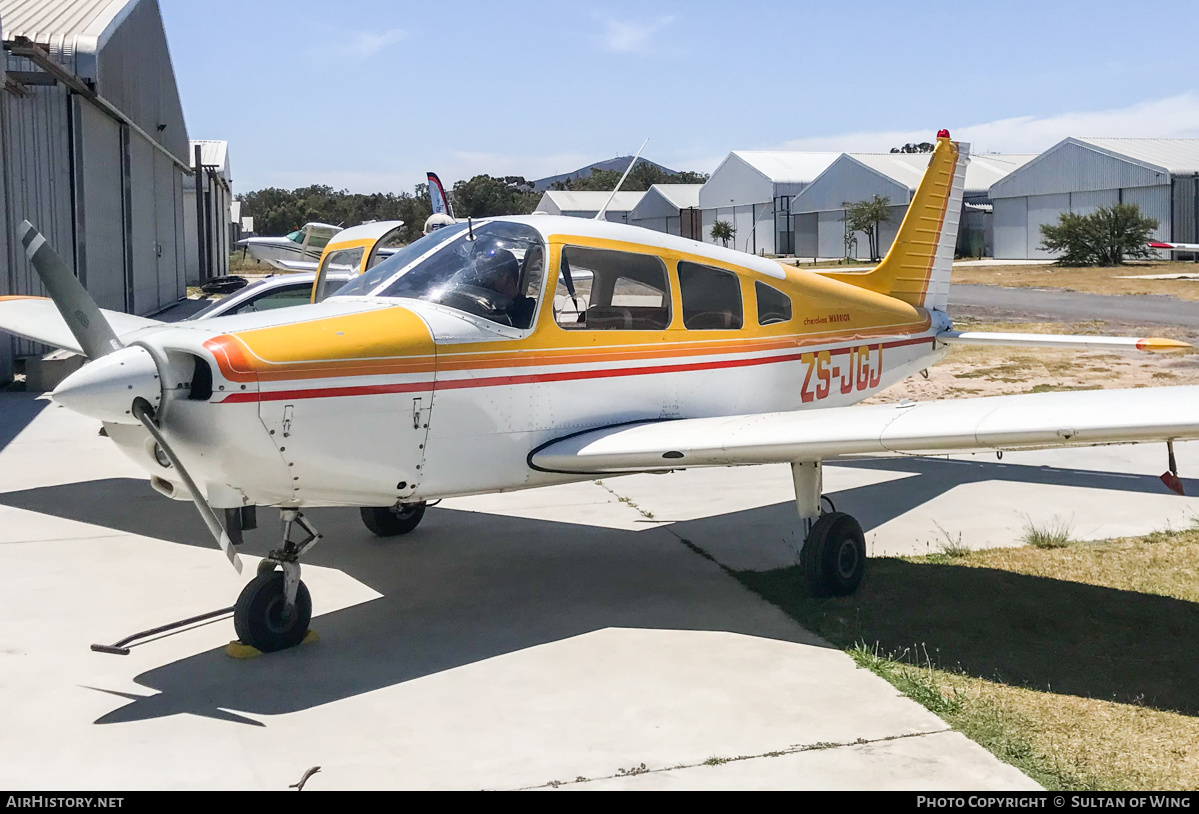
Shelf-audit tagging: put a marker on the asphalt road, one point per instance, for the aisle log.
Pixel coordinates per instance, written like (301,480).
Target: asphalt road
(1051,304)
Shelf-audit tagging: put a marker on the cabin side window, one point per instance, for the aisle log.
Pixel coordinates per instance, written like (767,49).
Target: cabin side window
(773,305)
(711,298)
(604,290)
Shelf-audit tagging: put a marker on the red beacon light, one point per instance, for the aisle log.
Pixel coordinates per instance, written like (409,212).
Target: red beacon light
(942,134)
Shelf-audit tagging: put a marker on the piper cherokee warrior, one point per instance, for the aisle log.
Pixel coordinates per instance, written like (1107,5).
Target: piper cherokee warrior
(516,352)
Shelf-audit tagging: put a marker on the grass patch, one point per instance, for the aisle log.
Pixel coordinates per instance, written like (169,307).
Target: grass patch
(1057,533)
(1072,663)
(1059,388)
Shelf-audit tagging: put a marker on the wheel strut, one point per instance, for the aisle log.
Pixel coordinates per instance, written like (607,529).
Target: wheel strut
(288,556)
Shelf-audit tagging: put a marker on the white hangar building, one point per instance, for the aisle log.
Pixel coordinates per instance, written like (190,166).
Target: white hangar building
(93,152)
(587,204)
(670,208)
(819,210)
(1078,175)
(747,189)
(213,213)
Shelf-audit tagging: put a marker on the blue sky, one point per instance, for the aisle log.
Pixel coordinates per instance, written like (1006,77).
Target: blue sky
(368,95)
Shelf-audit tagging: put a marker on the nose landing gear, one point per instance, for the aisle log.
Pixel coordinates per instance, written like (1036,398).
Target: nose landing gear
(274,609)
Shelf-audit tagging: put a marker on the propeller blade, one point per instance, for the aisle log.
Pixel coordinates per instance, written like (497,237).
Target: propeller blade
(78,309)
(144,414)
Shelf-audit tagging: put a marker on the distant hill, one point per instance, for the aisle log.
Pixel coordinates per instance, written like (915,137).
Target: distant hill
(619,164)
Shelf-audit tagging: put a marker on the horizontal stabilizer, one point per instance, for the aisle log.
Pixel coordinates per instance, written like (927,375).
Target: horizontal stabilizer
(38,318)
(1152,344)
(1029,421)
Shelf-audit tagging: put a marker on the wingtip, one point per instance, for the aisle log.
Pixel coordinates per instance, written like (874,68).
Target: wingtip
(1159,344)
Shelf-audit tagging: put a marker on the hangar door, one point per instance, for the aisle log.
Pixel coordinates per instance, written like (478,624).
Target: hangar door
(100,213)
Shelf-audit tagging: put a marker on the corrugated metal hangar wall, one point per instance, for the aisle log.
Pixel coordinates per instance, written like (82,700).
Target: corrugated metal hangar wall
(94,151)
(1080,175)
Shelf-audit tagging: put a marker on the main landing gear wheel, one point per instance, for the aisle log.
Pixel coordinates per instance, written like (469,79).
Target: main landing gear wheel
(834,555)
(392,521)
(262,618)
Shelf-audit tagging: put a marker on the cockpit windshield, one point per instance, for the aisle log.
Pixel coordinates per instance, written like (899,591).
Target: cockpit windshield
(497,275)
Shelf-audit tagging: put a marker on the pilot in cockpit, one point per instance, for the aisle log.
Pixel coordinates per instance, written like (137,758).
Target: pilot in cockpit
(497,269)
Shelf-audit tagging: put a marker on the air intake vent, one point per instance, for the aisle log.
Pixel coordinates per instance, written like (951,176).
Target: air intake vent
(201,389)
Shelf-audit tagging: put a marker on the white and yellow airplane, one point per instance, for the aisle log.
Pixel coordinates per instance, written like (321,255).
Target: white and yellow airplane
(516,352)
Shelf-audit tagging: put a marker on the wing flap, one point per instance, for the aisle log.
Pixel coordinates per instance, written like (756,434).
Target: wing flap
(37,318)
(1031,421)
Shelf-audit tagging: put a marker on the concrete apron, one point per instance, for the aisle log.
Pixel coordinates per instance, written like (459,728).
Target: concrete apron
(513,641)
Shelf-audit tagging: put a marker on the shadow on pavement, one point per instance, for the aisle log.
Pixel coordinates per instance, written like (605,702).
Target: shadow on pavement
(462,588)
(17,411)
(1044,634)
(470,586)
(875,504)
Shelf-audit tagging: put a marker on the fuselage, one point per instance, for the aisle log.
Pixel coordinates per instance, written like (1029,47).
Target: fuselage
(370,398)
(271,250)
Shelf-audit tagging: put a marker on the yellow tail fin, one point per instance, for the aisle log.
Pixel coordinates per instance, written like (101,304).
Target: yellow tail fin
(918,266)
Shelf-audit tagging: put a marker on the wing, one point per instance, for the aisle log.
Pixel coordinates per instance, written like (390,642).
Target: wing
(294,265)
(1150,344)
(1032,421)
(37,318)
(1174,247)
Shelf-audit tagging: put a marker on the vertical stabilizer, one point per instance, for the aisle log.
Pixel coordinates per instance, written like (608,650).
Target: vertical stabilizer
(918,265)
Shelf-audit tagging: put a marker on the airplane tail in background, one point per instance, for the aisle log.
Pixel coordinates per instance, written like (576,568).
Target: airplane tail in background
(918,266)
(438,198)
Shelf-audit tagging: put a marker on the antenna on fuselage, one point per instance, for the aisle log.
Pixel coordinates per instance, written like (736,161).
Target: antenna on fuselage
(603,209)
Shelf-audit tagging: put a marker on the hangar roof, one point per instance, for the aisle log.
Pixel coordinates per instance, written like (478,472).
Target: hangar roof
(857,176)
(787,166)
(908,168)
(1091,164)
(214,154)
(1177,156)
(119,46)
(569,200)
(665,201)
(39,20)
(680,196)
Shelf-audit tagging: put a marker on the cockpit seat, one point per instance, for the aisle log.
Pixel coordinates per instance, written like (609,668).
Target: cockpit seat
(626,318)
(710,320)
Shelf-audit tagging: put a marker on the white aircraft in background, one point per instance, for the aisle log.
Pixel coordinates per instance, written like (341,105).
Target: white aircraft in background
(1174,247)
(299,251)
(514,352)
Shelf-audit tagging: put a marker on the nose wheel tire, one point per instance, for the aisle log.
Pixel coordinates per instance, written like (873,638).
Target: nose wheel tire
(392,521)
(261,616)
(834,555)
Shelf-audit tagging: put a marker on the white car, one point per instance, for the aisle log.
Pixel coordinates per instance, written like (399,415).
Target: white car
(277,291)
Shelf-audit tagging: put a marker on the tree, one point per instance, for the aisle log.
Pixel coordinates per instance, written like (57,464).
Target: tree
(1106,237)
(483,196)
(641,178)
(922,147)
(866,217)
(279,211)
(723,231)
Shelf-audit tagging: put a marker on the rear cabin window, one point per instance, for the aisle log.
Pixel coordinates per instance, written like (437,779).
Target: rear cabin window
(773,305)
(604,290)
(711,298)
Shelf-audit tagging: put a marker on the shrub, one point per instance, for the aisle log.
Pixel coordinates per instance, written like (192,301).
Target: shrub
(1106,237)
